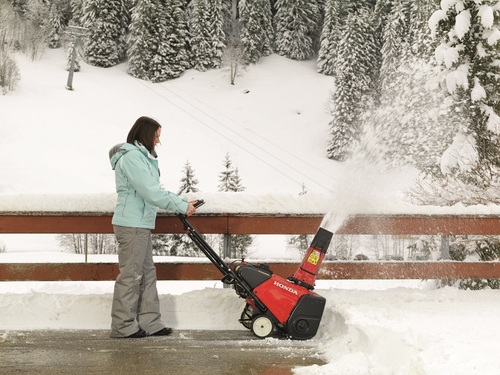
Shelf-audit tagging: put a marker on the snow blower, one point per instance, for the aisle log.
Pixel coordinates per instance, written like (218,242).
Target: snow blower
(273,303)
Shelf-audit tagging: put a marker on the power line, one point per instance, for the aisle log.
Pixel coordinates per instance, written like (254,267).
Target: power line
(249,130)
(189,113)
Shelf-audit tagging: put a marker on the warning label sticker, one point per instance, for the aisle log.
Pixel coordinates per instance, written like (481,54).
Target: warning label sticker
(313,258)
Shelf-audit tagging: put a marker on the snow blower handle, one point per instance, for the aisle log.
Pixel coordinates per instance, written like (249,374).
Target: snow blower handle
(199,202)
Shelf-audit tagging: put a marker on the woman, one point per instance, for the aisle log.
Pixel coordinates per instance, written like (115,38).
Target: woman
(135,310)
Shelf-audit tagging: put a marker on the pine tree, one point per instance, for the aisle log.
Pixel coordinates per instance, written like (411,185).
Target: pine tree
(395,41)
(76,8)
(421,42)
(256,29)
(104,45)
(229,181)
(207,30)
(470,74)
(296,24)
(355,71)
(470,33)
(188,181)
(330,36)
(161,244)
(179,244)
(58,18)
(468,51)
(158,35)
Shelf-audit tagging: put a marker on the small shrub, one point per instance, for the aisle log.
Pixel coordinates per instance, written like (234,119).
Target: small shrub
(9,72)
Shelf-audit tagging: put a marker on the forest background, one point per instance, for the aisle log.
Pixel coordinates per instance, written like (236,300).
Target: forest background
(416,82)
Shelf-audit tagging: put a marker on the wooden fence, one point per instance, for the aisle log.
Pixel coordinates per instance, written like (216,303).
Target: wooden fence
(75,222)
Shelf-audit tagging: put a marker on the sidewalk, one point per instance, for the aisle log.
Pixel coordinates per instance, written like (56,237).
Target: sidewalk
(183,353)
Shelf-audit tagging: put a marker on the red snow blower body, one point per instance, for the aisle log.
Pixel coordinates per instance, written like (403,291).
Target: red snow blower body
(274,303)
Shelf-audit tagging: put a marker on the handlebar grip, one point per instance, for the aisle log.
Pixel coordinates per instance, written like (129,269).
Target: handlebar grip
(199,203)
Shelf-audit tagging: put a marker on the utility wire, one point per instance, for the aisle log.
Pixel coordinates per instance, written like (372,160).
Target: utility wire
(277,146)
(189,113)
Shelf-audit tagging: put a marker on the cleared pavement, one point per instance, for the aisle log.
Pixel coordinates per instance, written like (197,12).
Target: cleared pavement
(182,353)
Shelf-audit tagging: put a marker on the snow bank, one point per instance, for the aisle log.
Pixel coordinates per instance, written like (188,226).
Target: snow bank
(406,331)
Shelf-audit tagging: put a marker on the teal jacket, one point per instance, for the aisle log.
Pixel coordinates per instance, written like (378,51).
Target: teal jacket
(138,186)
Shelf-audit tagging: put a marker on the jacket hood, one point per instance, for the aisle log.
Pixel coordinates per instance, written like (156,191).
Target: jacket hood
(117,151)
(120,149)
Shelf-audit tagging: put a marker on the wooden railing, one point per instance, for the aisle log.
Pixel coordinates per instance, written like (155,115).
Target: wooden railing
(74,222)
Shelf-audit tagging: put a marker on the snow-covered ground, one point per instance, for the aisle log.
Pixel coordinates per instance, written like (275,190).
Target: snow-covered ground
(369,327)
(274,125)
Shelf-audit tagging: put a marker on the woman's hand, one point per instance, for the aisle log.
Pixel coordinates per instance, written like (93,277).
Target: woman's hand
(191,210)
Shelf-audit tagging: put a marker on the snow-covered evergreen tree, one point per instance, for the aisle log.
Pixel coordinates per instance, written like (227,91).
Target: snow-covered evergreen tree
(207,29)
(188,180)
(469,50)
(256,30)
(158,33)
(355,80)
(468,32)
(104,44)
(421,41)
(58,18)
(179,244)
(229,181)
(395,36)
(330,36)
(76,8)
(296,25)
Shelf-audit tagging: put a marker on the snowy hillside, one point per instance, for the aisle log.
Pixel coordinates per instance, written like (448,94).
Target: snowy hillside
(274,124)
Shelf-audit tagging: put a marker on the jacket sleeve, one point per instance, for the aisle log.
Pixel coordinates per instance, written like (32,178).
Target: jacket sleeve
(138,174)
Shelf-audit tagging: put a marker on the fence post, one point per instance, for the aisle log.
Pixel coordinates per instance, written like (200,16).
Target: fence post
(86,247)
(445,246)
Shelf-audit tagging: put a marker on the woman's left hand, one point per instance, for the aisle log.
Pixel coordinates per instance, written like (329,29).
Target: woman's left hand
(191,210)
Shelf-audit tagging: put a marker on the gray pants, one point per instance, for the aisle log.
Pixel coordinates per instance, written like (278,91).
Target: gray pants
(135,299)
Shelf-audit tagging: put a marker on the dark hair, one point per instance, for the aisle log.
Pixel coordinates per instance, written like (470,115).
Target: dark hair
(144,131)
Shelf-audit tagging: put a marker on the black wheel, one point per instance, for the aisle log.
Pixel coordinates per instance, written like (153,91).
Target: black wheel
(301,326)
(246,317)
